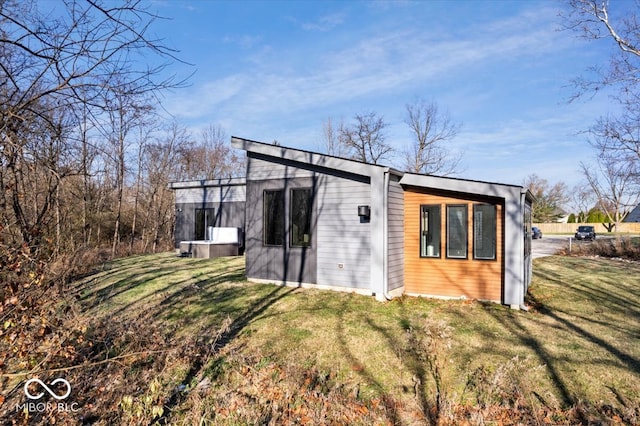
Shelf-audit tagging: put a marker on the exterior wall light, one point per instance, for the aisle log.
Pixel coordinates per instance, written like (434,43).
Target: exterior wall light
(364,211)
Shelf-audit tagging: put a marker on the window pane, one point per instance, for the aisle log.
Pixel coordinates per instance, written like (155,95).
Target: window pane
(429,231)
(457,231)
(484,231)
(301,204)
(204,219)
(274,218)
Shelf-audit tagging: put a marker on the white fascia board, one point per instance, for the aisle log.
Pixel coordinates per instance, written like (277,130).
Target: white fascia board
(491,189)
(308,157)
(207,183)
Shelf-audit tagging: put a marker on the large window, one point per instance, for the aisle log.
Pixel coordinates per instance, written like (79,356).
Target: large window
(457,232)
(429,231)
(300,220)
(273,220)
(204,219)
(484,231)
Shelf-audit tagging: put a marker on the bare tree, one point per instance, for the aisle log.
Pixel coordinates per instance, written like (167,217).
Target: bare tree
(365,139)
(549,198)
(211,156)
(331,141)
(431,130)
(162,160)
(57,61)
(614,183)
(592,20)
(615,179)
(582,200)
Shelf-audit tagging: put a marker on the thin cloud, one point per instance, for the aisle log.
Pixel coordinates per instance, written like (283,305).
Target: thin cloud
(245,41)
(323,23)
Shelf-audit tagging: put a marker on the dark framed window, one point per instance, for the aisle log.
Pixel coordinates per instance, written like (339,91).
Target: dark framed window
(457,231)
(273,217)
(484,231)
(204,219)
(430,220)
(300,217)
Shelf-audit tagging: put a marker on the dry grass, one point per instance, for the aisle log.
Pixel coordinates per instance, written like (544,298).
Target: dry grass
(193,343)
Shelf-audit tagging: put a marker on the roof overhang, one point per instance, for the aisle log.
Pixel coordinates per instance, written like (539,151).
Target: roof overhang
(311,158)
(205,183)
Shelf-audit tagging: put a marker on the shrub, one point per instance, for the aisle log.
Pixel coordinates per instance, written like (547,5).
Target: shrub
(622,248)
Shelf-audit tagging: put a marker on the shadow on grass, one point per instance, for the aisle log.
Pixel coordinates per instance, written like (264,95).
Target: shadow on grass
(585,309)
(365,373)
(208,296)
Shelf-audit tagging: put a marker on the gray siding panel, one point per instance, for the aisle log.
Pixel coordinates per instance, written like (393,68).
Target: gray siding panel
(259,169)
(395,235)
(343,241)
(226,215)
(228,194)
(281,263)
(341,254)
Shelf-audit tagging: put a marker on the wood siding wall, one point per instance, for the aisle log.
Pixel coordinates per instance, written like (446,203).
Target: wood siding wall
(477,279)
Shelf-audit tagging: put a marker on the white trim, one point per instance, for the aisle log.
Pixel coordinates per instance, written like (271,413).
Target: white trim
(361,291)
(396,292)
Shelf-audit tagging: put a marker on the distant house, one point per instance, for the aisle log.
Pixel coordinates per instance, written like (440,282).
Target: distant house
(634,215)
(314,220)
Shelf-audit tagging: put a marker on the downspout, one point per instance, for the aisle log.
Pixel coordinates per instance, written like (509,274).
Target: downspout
(385,237)
(526,277)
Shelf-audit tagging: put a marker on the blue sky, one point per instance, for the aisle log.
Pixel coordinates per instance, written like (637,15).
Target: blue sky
(277,70)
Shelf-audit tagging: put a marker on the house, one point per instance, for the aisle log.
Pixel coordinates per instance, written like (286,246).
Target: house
(315,220)
(205,205)
(634,215)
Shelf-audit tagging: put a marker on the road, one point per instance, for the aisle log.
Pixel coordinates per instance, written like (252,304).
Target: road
(549,245)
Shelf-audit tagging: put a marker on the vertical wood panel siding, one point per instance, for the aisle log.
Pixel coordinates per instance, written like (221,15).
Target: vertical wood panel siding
(477,279)
(395,233)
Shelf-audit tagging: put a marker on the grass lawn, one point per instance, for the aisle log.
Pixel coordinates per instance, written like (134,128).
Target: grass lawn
(193,343)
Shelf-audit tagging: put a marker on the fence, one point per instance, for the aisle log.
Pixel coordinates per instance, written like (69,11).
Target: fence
(570,228)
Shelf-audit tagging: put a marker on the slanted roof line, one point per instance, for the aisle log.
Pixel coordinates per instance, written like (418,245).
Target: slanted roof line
(310,157)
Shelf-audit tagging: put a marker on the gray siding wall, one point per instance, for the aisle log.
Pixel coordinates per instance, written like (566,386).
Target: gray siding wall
(340,241)
(344,241)
(226,215)
(228,202)
(216,194)
(395,231)
(278,263)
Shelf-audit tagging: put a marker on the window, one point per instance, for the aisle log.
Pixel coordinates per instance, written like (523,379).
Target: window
(300,220)
(429,231)
(204,219)
(457,232)
(273,218)
(484,231)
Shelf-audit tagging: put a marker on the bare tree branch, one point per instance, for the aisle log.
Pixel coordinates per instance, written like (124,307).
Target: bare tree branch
(431,130)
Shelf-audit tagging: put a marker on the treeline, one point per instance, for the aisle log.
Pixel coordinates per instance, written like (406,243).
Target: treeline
(85,159)
(106,192)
